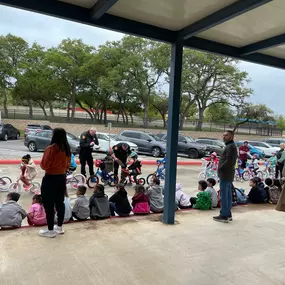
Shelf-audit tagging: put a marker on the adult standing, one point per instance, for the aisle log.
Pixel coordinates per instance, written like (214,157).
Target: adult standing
(120,153)
(281,202)
(226,172)
(87,141)
(243,152)
(280,161)
(55,162)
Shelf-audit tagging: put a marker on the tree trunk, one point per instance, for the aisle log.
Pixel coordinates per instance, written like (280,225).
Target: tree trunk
(5,104)
(123,117)
(51,109)
(164,121)
(86,110)
(68,110)
(105,114)
(132,118)
(42,106)
(31,115)
(118,117)
(73,100)
(201,119)
(101,116)
(181,121)
(127,117)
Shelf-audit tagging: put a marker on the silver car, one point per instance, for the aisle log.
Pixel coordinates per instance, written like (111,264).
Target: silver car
(40,140)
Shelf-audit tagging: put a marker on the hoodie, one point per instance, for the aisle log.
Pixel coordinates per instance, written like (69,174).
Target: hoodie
(154,193)
(120,199)
(11,214)
(81,207)
(140,204)
(182,199)
(99,206)
(258,194)
(30,171)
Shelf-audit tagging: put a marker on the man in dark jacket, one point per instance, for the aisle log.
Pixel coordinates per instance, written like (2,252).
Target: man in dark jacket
(226,172)
(87,142)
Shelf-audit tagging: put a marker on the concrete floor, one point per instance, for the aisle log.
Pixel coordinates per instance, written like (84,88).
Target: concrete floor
(142,250)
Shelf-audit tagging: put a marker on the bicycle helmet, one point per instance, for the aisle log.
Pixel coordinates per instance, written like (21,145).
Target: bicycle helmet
(214,154)
(256,155)
(133,155)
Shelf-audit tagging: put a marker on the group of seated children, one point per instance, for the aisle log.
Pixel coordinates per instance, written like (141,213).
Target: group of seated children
(259,193)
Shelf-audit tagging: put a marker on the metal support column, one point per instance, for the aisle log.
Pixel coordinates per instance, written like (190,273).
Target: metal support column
(172,132)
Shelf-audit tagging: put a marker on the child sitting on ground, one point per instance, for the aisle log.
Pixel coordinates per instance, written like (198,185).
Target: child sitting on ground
(99,204)
(214,196)
(11,213)
(273,191)
(257,193)
(29,171)
(203,200)
(119,202)
(80,209)
(182,199)
(140,201)
(37,215)
(154,193)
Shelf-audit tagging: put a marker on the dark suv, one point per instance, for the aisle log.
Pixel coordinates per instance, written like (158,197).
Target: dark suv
(147,143)
(7,131)
(36,127)
(187,145)
(213,144)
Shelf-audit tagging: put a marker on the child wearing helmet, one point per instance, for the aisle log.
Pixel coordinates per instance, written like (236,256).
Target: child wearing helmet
(213,161)
(254,163)
(134,165)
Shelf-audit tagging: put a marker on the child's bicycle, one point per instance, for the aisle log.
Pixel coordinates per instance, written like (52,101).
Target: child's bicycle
(75,180)
(249,173)
(208,172)
(106,178)
(16,187)
(268,172)
(158,173)
(129,178)
(5,182)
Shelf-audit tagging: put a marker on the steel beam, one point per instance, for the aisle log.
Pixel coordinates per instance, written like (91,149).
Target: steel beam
(172,132)
(265,44)
(101,7)
(221,16)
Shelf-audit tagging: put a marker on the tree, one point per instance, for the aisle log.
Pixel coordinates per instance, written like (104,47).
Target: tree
(221,113)
(66,61)
(12,50)
(280,120)
(254,114)
(160,103)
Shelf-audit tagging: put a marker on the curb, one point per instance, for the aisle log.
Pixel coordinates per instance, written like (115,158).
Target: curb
(144,162)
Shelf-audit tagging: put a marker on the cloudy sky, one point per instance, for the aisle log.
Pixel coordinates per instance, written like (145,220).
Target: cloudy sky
(267,83)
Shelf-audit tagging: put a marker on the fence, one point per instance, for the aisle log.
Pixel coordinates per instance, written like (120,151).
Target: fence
(60,116)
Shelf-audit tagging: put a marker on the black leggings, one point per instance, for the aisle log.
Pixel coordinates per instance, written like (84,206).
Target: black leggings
(86,157)
(52,190)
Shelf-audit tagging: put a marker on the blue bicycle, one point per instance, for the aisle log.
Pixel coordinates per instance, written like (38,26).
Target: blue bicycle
(158,173)
(106,178)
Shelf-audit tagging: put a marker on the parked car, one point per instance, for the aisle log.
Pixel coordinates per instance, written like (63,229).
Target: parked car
(40,140)
(265,147)
(147,143)
(213,144)
(187,145)
(36,127)
(7,131)
(253,150)
(275,141)
(109,140)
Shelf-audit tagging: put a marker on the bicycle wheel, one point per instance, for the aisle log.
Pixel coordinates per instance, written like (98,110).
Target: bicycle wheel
(140,181)
(92,181)
(4,183)
(150,177)
(14,187)
(36,188)
(112,180)
(78,179)
(202,176)
(246,175)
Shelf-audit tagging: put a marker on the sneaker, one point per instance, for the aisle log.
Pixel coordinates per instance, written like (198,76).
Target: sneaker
(47,233)
(230,219)
(221,219)
(58,230)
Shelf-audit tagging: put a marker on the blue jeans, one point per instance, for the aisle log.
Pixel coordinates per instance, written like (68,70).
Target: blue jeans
(226,198)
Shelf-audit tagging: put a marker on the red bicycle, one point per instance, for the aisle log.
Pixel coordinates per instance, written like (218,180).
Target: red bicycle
(129,177)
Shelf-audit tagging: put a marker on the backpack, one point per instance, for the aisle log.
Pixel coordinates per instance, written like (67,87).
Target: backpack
(241,196)
(274,194)
(234,198)
(204,201)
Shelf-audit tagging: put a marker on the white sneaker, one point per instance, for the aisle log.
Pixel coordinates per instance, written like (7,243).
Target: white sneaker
(58,230)
(47,233)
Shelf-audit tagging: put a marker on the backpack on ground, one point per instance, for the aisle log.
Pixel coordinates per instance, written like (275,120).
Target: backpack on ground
(241,196)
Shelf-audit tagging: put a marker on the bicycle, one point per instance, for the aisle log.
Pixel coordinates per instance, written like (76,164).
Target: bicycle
(131,179)
(75,180)
(16,187)
(208,172)
(106,178)
(268,172)
(5,182)
(158,173)
(249,173)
